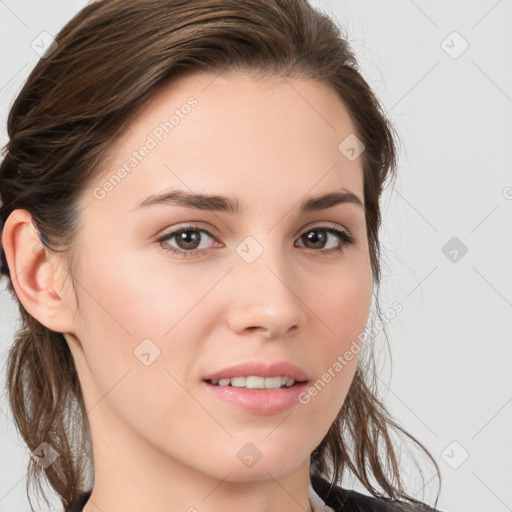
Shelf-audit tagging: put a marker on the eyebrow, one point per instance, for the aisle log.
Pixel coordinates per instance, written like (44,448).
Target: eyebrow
(219,203)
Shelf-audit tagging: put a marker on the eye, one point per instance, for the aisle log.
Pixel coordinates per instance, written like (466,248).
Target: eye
(319,236)
(189,239)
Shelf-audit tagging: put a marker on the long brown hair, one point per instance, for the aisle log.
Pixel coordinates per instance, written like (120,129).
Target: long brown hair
(109,60)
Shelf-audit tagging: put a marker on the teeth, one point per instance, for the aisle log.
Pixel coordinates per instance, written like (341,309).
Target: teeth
(254,382)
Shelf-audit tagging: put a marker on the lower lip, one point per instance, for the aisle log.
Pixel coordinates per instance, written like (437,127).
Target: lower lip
(258,401)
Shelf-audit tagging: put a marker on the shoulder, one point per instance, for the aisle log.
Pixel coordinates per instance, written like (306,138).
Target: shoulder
(352,501)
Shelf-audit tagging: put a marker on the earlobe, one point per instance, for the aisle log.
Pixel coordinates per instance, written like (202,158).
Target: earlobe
(36,272)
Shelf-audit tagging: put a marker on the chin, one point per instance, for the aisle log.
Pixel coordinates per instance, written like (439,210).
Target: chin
(264,465)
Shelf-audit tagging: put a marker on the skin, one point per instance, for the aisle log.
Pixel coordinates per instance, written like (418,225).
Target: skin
(160,441)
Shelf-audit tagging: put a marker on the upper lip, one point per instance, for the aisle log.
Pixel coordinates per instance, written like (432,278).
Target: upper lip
(263,369)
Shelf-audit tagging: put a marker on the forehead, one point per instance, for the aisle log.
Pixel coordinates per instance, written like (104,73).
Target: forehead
(267,138)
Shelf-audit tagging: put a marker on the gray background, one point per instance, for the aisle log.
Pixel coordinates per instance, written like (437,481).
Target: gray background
(450,380)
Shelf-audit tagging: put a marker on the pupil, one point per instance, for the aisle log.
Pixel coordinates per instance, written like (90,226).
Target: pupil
(315,236)
(185,237)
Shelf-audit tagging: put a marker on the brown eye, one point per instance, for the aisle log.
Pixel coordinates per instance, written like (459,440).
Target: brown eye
(317,238)
(188,240)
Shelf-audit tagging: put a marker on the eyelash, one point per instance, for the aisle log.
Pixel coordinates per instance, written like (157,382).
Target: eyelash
(344,236)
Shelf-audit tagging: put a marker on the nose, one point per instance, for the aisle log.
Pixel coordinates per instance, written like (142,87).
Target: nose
(265,295)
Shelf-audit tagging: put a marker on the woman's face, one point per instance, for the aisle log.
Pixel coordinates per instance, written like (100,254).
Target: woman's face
(261,282)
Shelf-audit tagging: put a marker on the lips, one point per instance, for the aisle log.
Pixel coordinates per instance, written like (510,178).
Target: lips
(260,369)
(257,401)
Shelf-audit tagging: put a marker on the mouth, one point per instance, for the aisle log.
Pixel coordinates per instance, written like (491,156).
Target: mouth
(255,398)
(258,387)
(256,382)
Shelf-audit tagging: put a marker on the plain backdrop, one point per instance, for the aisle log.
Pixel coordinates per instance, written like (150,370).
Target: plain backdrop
(443,73)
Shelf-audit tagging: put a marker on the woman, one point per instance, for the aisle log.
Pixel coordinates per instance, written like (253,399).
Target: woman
(190,214)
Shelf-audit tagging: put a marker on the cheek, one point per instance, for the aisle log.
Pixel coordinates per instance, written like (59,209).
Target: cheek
(140,319)
(343,309)
(138,334)
(128,299)
(345,303)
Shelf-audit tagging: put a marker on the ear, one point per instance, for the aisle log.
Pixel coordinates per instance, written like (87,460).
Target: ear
(38,275)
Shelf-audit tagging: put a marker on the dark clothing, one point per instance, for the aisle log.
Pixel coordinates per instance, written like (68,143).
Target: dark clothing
(78,503)
(338,498)
(345,500)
